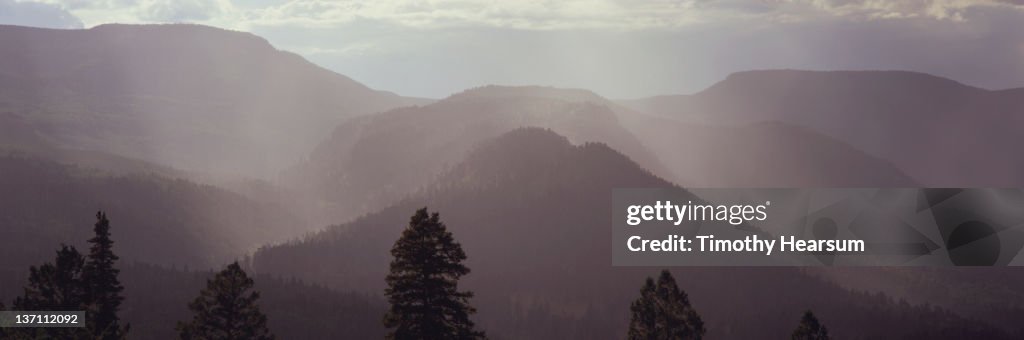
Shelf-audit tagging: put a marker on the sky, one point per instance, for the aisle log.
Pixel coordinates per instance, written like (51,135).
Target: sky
(618,48)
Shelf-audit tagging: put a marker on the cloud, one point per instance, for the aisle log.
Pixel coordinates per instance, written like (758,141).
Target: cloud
(528,14)
(604,14)
(953,10)
(36,14)
(96,12)
(521,14)
(621,48)
(182,10)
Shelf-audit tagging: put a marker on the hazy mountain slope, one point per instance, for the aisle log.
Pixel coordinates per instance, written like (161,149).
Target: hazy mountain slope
(531,211)
(195,97)
(511,174)
(938,131)
(759,155)
(984,293)
(372,161)
(154,219)
(503,200)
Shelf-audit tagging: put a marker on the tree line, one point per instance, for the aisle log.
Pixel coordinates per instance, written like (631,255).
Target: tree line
(74,282)
(422,291)
(426,303)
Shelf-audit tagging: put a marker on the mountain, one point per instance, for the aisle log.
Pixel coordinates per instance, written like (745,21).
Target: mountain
(940,132)
(194,97)
(760,155)
(504,204)
(154,219)
(509,174)
(531,211)
(372,161)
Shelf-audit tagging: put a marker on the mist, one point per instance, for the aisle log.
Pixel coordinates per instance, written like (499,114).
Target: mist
(295,140)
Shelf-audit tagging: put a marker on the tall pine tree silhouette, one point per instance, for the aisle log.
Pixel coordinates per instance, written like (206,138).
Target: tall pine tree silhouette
(810,329)
(423,284)
(227,310)
(103,288)
(663,311)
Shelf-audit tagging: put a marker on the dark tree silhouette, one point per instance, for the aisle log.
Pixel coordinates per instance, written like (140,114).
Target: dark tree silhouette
(663,311)
(810,329)
(54,286)
(103,288)
(423,284)
(227,309)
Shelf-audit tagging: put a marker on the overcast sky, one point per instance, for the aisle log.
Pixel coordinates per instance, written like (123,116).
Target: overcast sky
(618,48)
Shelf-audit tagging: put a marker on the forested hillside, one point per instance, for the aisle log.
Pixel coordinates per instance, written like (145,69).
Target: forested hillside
(939,131)
(535,226)
(194,97)
(374,161)
(158,220)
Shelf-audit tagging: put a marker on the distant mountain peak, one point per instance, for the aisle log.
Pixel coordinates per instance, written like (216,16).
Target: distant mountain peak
(928,126)
(533,155)
(532,135)
(501,91)
(538,140)
(185,27)
(786,79)
(187,34)
(198,97)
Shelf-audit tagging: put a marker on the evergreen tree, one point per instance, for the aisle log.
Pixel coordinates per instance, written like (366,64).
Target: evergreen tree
(644,313)
(56,286)
(423,284)
(663,311)
(103,288)
(227,310)
(810,329)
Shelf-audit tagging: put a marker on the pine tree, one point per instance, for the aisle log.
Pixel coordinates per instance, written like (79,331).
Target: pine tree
(227,309)
(56,286)
(104,289)
(423,284)
(3,333)
(663,311)
(644,313)
(810,329)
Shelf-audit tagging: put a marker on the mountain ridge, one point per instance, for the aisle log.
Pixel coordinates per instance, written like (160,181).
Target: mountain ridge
(530,209)
(936,130)
(196,97)
(376,160)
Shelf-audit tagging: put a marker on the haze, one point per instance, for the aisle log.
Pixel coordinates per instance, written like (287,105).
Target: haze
(619,49)
(212,142)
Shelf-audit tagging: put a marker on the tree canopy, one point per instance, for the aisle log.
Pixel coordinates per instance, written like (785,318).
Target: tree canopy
(810,328)
(227,309)
(663,311)
(423,284)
